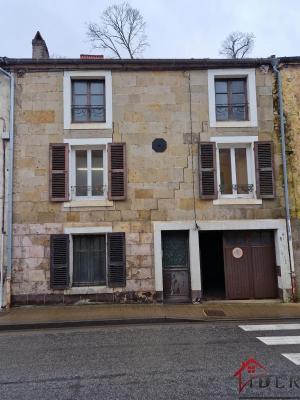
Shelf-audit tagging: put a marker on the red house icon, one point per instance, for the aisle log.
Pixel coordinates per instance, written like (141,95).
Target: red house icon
(248,371)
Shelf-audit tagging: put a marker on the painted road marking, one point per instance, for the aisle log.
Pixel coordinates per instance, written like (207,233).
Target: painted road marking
(294,357)
(269,327)
(279,340)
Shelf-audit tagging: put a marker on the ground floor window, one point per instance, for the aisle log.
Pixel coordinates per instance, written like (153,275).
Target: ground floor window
(89,260)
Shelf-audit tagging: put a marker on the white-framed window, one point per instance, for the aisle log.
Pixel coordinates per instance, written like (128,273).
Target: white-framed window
(87,100)
(88,257)
(88,169)
(235,167)
(88,172)
(232,97)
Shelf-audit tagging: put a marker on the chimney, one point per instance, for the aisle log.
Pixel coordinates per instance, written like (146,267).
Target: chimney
(39,47)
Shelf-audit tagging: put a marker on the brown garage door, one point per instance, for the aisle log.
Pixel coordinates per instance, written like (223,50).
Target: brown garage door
(249,264)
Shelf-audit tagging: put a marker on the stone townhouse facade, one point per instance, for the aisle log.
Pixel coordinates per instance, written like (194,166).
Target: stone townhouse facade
(146,180)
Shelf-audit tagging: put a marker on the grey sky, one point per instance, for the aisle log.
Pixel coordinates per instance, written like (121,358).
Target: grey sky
(175,28)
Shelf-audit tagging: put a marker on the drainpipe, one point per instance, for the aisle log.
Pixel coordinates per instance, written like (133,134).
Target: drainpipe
(275,64)
(10,76)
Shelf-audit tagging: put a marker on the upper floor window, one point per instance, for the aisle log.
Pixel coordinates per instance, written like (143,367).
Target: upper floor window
(235,170)
(89,173)
(231,100)
(88,101)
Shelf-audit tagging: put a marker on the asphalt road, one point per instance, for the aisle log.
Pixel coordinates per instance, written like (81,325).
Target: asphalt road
(166,361)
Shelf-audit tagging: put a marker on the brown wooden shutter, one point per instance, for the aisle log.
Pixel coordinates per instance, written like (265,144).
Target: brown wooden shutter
(116,259)
(207,170)
(59,174)
(117,171)
(264,165)
(59,261)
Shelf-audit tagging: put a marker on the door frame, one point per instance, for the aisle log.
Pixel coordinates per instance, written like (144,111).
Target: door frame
(180,298)
(280,241)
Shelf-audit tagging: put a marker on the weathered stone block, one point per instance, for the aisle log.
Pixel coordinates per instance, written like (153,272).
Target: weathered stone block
(143,193)
(39,117)
(132,238)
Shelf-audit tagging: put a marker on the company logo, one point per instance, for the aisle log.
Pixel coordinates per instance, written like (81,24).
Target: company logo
(254,377)
(249,369)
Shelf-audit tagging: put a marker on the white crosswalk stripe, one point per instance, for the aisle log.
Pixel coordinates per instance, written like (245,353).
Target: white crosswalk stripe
(294,357)
(269,327)
(277,340)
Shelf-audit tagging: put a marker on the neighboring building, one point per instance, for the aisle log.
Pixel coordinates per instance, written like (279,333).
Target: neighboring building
(146,180)
(4,165)
(290,72)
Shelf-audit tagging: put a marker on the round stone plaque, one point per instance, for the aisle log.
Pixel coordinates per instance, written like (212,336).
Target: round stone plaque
(237,252)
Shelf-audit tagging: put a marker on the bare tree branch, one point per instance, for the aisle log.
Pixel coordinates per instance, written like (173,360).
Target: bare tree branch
(237,45)
(122,30)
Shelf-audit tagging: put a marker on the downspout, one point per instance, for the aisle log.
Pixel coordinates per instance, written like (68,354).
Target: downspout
(10,76)
(275,64)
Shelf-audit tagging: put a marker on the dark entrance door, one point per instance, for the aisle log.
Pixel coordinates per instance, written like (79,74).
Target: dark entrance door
(176,276)
(249,264)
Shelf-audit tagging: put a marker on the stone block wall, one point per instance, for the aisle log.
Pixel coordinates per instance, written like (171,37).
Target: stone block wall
(161,186)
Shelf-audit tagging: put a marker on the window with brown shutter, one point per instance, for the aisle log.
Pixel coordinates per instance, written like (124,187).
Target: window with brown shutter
(59,174)
(207,170)
(264,165)
(59,261)
(117,171)
(116,257)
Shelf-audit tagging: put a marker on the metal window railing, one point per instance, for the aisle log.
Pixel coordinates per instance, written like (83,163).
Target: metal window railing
(88,191)
(241,188)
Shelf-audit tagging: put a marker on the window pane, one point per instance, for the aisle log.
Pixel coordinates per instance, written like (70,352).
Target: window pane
(221,99)
(238,99)
(241,171)
(97,100)
(238,113)
(221,86)
(81,173)
(79,87)
(80,100)
(80,114)
(97,87)
(97,173)
(97,260)
(222,113)
(225,171)
(238,86)
(97,114)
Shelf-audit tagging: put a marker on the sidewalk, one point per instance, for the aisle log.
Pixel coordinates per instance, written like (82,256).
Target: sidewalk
(34,317)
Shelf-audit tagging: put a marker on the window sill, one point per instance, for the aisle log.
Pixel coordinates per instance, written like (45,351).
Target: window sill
(88,203)
(233,201)
(90,125)
(88,290)
(233,124)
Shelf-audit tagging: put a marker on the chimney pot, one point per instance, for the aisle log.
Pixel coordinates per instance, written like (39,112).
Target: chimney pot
(91,56)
